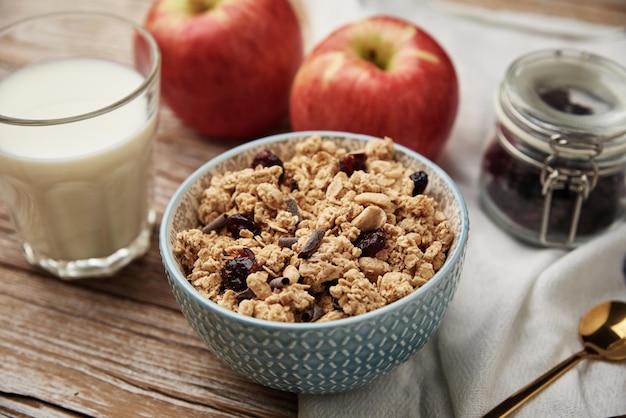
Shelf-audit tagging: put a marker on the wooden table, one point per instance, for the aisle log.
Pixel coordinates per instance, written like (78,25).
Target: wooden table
(118,346)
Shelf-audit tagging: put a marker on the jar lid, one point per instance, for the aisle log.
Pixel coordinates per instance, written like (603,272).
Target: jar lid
(574,95)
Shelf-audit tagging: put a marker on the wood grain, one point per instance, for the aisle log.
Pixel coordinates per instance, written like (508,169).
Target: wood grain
(606,12)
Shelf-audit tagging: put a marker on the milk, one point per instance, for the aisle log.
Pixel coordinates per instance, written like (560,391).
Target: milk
(83,189)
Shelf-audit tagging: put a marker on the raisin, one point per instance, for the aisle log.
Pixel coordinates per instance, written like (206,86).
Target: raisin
(236,271)
(420,181)
(266,158)
(237,223)
(352,162)
(371,242)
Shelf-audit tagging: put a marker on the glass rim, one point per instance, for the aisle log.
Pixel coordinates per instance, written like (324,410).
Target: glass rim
(519,91)
(146,82)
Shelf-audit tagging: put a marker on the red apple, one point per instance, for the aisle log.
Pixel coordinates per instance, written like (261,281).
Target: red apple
(227,65)
(381,76)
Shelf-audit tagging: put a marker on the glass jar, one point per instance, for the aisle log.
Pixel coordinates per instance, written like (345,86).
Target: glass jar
(554,172)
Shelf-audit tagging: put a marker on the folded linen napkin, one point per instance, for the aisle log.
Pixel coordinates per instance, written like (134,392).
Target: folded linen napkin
(517,308)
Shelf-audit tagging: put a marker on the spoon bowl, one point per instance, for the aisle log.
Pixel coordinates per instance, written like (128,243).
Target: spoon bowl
(602,331)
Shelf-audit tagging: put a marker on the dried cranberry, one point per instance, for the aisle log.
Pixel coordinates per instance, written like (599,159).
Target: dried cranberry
(420,181)
(266,158)
(371,242)
(236,271)
(352,162)
(237,223)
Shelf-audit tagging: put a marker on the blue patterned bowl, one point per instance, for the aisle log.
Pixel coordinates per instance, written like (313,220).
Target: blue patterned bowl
(317,358)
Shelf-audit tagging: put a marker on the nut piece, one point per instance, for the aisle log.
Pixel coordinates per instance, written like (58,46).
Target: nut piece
(373,267)
(372,217)
(378,199)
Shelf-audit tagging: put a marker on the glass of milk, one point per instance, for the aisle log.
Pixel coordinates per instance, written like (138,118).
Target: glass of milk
(79,97)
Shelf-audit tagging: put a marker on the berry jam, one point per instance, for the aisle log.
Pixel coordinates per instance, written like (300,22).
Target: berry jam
(514,188)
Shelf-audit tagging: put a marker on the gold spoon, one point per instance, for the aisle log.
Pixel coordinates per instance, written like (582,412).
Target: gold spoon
(602,331)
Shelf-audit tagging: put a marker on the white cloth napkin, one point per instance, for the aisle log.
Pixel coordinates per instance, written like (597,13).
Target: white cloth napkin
(517,308)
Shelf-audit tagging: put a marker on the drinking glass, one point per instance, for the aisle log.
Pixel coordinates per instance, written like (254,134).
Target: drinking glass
(79,96)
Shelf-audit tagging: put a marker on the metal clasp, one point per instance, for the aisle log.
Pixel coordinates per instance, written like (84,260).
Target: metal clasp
(577,180)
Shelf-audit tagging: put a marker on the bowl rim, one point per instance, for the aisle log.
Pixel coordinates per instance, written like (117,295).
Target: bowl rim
(182,283)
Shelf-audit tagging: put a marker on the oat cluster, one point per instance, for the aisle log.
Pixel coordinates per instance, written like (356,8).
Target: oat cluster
(300,256)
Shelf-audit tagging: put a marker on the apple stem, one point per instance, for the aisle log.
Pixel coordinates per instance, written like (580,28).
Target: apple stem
(198,6)
(371,54)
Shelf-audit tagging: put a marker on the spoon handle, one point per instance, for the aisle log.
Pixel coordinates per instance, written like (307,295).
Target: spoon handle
(518,398)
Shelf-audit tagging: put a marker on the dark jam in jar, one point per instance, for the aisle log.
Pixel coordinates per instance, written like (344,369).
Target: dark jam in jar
(514,188)
(554,173)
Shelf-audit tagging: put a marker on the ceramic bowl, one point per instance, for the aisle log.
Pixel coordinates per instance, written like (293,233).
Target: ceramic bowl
(315,358)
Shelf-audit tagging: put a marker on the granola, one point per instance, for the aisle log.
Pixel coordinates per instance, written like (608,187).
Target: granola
(325,235)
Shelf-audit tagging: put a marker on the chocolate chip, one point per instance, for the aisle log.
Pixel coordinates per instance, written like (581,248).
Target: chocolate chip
(279,282)
(312,244)
(313,314)
(292,207)
(215,224)
(245,294)
(287,242)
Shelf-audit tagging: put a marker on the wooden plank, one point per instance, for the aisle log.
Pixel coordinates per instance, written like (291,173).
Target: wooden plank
(606,12)
(95,354)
